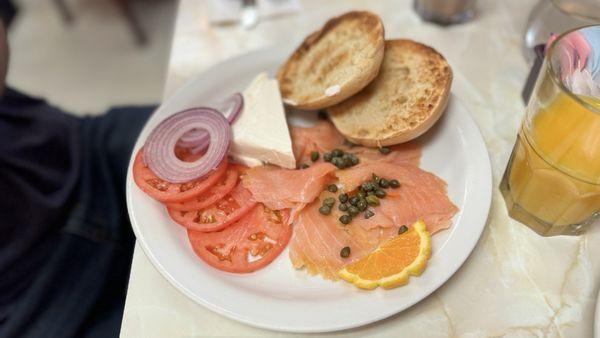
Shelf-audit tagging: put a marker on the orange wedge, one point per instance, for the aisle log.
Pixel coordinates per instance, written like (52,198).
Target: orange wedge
(392,262)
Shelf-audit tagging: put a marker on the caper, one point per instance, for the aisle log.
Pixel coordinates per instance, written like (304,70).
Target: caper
(322,115)
(352,210)
(367,186)
(337,153)
(314,156)
(361,194)
(345,252)
(345,219)
(329,201)
(303,166)
(343,198)
(369,214)
(385,150)
(332,188)
(384,183)
(394,183)
(327,157)
(402,230)
(362,205)
(347,160)
(325,210)
(354,159)
(338,162)
(343,206)
(380,193)
(375,178)
(372,200)
(354,200)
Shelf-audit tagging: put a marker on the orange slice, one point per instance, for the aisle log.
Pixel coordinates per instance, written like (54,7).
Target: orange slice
(392,262)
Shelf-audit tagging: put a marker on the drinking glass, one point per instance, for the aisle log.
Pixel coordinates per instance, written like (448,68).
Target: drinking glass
(445,12)
(557,16)
(552,181)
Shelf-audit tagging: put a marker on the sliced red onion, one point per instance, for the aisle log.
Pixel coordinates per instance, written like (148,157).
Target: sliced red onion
(190,139)
(159,149)
(197,140)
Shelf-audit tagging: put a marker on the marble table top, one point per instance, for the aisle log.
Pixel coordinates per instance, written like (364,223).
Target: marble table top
(514,284)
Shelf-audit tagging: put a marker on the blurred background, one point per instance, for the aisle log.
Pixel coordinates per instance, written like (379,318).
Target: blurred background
(87,55)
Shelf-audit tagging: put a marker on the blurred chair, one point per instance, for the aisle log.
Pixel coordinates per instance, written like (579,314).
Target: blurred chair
(126,10)
(7,12)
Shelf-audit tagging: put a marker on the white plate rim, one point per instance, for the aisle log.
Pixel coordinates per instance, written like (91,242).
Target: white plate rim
(481,214)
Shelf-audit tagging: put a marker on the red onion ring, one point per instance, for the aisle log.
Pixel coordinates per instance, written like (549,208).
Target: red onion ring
(159,149)
(197,140)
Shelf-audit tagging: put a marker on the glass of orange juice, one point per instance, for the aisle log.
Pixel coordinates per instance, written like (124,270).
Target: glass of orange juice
(552,181)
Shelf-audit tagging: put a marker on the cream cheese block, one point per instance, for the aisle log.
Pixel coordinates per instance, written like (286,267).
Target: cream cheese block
(260,133)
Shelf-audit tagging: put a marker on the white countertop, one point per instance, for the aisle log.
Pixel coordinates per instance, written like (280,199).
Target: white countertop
(514,284)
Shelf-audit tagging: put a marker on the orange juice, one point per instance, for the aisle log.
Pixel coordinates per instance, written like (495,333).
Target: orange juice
(554,171)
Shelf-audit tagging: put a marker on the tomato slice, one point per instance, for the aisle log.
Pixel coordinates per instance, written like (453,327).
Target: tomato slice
(212,195)
(248,245)
(218,215)
(167,192)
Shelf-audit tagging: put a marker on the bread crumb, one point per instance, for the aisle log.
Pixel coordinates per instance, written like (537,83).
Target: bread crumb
(290,102)
(332,90)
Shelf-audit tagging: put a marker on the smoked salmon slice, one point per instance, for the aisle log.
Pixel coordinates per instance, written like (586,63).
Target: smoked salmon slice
(400,154)
(421,195)
(323,137)
(285,188)
(318,239)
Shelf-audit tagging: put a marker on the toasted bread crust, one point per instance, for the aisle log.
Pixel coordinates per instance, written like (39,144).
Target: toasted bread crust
(408,96)
(334,62)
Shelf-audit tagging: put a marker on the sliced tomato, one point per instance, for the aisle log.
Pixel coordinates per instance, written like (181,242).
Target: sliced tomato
(212,195)
(167,192)
(248,245)
(218,215)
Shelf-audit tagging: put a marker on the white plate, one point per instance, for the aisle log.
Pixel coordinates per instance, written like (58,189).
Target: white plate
(278,297)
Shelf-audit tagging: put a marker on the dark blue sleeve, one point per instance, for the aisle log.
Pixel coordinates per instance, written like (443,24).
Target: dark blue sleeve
(39,168)
(65,238)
